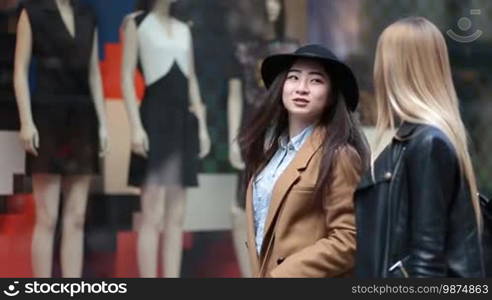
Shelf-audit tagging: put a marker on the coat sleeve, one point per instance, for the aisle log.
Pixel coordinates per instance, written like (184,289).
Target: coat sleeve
(433,172)
(332,255)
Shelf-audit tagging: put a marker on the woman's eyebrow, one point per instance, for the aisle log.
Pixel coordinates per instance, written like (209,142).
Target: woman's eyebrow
(318,73)
(322,74)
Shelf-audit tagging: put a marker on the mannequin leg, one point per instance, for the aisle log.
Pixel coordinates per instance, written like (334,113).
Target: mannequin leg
(46,190)
(75,191)
(152,206)
(239,235)
(172,242)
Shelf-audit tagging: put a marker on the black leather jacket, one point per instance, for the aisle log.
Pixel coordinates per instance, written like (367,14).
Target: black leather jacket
(415,218)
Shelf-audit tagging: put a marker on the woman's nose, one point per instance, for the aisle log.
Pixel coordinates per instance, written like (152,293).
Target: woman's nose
(302,87)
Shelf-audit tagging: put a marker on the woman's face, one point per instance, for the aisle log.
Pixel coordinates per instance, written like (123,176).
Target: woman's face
(273,8)
(306,90)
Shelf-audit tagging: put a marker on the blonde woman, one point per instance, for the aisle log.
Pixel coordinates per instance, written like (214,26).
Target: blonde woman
(417,212)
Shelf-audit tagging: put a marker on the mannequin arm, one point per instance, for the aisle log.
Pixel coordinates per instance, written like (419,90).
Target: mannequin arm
(140,144)
(23,52)
(98,96)
(197,107)
(234,113)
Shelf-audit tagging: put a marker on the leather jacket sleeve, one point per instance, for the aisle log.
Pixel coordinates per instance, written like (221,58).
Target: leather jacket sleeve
(433,171)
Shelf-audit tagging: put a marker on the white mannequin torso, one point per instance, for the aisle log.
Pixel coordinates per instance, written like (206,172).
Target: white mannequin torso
(158,50)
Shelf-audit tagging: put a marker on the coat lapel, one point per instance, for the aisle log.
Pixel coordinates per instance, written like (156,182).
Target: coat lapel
(289,177)
(285,182)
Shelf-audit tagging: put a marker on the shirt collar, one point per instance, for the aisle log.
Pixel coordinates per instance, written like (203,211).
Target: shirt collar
(297,141)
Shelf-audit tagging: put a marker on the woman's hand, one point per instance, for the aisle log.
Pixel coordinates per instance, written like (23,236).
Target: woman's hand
(140,142)
(30,138)
(103,142)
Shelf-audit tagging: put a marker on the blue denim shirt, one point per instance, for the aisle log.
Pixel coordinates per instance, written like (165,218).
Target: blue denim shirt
(265,181)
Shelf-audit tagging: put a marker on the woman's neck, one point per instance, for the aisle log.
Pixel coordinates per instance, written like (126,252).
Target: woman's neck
(296,126)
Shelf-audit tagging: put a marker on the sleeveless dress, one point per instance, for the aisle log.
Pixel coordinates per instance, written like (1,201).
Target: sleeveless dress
(62,105)
(171,128)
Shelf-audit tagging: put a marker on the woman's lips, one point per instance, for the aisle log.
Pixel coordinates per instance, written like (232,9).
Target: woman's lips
(300,102)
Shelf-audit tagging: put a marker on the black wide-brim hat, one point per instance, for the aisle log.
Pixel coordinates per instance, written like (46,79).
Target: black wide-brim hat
(341,74)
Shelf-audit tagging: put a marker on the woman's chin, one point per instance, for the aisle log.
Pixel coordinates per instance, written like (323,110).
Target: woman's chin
(298,110)
(304,115)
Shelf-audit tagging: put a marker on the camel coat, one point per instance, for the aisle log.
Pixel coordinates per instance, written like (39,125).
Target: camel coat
(305,237)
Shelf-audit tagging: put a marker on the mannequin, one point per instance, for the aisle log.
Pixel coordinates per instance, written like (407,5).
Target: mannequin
(68,102)
(249,54)
(163,163)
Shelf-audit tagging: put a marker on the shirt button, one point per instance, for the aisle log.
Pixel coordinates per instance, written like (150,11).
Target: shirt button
(388,175)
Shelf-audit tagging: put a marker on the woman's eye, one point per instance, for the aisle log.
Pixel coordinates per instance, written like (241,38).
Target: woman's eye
(317,80)
(292,77)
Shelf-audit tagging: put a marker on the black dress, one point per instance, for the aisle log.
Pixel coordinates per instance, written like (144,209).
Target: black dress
(170,126)
(62,105)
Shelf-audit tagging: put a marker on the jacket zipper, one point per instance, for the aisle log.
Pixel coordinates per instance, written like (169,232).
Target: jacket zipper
(399,265)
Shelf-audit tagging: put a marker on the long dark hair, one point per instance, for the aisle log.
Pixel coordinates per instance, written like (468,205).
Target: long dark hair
(259,139)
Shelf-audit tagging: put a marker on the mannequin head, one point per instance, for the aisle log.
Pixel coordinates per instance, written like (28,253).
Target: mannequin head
(273,9)
(275,15)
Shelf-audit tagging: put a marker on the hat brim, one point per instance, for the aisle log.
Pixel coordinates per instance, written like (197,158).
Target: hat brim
(340,73)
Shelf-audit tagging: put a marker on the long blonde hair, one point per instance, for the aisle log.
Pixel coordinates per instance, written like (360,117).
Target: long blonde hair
(412,79)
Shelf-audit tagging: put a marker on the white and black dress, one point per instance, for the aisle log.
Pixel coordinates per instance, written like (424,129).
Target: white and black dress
(171,127)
